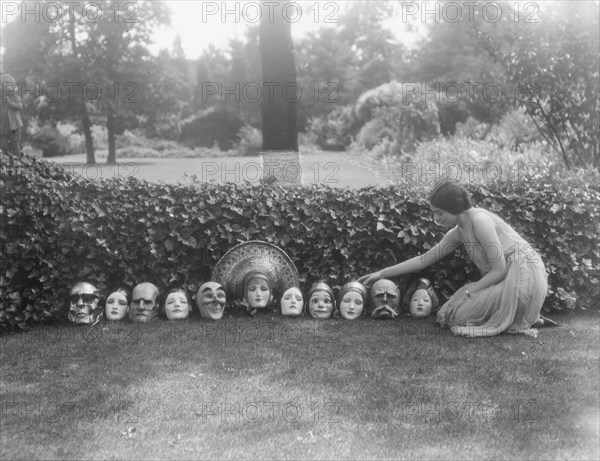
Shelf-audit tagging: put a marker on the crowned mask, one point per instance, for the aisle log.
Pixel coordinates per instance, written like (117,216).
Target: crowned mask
(210,300)
(351,300)
(257,290)
(255,273)
(84,306)
(385,299)
(144,306)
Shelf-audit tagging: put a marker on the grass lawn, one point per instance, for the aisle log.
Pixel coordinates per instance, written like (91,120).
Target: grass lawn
(275,388)
(333,169)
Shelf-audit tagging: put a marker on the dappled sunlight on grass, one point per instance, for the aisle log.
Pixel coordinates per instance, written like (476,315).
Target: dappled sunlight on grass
(270,387)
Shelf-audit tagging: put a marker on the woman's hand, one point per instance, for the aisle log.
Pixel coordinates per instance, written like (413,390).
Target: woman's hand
(369,279)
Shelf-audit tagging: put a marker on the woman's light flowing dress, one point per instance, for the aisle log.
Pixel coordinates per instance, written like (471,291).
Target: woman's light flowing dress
(511,305)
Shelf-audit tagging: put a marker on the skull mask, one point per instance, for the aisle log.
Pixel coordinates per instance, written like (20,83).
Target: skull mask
(83,304)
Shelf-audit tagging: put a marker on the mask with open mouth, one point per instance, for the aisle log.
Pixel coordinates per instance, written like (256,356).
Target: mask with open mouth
(320,301)
(211,300)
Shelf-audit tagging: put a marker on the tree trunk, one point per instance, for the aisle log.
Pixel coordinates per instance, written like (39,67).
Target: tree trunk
(280,94)
(110,128)
(86,124)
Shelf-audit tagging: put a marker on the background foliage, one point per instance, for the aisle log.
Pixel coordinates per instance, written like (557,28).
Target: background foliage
(60,228)
(544,57)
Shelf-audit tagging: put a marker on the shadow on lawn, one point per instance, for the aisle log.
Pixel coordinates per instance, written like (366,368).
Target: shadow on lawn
(408,383)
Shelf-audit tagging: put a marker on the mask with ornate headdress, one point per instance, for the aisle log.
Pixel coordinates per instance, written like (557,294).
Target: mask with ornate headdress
(256,273)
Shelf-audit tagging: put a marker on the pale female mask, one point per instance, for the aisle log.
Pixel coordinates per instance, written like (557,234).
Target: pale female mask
(292,302)
(351,300)
(117,304)
(177,305)
(422,299)
(257,293)
(420,304)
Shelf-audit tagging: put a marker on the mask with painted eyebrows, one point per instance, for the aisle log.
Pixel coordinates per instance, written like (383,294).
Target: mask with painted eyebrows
(257,292)
(291,302)
(422,299)
(351,300)
(320,301)
(177,305)
(117,304)
(210,300)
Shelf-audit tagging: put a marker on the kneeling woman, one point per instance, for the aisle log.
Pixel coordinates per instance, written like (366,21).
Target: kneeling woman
(513,286)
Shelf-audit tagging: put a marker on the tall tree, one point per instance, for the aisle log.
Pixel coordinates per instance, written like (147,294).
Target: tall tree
(551,52)
(99,56)
(280,96)
(450,59)
(337,64)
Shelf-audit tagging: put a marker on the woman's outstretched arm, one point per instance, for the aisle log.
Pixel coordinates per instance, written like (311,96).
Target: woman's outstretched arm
(442,249)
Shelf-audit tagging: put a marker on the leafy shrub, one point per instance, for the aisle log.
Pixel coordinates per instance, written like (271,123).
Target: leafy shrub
(388,113)
(134,144)
(333,131)
(515,130)
(467,159)
(51,141)
(250,141)
(59,228)
(213,126)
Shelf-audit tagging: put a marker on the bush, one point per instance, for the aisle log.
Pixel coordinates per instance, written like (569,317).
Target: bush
(470,159)
(213,126)
(514,131)
(333,131)
(50,140)
(250,141)
(59,228)
(388,114)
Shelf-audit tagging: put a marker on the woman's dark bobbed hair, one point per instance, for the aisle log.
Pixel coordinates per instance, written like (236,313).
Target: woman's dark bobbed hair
(450,197)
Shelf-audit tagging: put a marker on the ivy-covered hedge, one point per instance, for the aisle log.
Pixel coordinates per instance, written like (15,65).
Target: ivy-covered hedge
(59,228)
